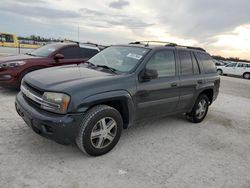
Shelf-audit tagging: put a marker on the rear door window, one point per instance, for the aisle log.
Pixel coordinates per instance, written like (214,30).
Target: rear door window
(186,63)
(71,52)
(196,67)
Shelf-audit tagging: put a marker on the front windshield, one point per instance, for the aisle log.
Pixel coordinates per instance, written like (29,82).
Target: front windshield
(46,50)
(120,58)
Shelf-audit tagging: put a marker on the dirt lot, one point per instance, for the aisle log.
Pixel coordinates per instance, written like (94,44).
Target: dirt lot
(166,152)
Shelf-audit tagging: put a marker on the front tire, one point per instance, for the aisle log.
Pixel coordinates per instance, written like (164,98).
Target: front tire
(220,72)
(199,110)
(100,130)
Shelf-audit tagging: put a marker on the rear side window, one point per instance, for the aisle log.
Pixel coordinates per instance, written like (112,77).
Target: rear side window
(70,52)
(244,65)
(163,62)
(207,62)
(87,53)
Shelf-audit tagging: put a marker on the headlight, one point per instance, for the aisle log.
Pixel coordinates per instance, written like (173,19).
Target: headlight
(55,102)
(12,64)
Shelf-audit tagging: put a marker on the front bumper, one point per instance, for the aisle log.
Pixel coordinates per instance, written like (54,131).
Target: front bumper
(7,79)
(60,128)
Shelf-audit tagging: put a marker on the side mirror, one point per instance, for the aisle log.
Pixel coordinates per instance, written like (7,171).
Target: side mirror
(58,57)
(149,74)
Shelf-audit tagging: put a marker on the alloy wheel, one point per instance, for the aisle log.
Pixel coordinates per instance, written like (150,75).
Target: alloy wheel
(202,108)
(103,133)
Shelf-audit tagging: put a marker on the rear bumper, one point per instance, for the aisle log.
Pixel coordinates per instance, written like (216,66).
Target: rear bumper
(60,128)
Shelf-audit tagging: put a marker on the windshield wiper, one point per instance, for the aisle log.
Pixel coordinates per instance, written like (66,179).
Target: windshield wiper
(107,67)
(89,63)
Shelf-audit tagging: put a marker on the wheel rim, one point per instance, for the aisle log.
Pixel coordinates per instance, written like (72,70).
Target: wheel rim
(202,108)
(247,76)
(103,133)
(219,72)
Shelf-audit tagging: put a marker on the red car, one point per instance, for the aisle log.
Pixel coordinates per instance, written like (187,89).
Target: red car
(13,68)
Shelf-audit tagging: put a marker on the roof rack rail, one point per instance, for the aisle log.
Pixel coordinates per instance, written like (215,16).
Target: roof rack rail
(146,43)
(193,48)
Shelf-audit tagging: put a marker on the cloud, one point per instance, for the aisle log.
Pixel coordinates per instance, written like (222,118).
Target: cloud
(37,11)
(107,20)
(120,4)
(209,24)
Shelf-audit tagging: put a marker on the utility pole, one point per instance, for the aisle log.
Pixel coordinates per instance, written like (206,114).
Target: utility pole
(78,30)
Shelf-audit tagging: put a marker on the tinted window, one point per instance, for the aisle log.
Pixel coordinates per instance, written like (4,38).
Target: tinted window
(70,52)
(207,62)
(243,65)
(196,68)
(87,53)
(163,62)
(186,63)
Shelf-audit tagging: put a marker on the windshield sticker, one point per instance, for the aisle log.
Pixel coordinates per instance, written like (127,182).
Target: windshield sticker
(134,56)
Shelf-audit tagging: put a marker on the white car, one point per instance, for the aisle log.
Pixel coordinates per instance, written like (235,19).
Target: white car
(235,68)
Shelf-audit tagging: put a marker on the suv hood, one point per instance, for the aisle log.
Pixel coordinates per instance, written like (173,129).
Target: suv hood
(64,78)
(16,58)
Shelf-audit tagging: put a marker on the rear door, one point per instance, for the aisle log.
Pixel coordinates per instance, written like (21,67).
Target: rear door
(241,69)
(190,78)
(159,96)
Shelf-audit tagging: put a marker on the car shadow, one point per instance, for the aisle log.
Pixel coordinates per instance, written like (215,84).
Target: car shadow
(8,92)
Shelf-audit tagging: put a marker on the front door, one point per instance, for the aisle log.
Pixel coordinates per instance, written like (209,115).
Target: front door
(159,96)
(230,68)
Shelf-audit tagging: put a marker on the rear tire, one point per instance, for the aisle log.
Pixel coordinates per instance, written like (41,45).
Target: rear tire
(246,75)
(199,110)
(100,130)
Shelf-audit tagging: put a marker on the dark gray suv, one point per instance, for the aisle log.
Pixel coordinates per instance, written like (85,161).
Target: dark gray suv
(90,104)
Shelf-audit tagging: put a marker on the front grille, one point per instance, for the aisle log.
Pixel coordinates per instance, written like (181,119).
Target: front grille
(31,102)
(34,90)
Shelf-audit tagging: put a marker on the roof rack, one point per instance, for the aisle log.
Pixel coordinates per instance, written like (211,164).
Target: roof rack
(190,47)
(147,43)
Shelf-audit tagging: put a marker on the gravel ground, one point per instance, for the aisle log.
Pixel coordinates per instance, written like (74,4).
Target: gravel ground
(165,152)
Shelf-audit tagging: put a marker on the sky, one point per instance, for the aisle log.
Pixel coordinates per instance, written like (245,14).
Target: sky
(222,27)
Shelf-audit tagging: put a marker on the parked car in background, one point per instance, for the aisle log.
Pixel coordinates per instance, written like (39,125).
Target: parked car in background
(14,68)
(236,69)
(220,63)
(90,104)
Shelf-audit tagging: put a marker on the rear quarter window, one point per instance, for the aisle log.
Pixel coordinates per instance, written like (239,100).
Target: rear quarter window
(207,62)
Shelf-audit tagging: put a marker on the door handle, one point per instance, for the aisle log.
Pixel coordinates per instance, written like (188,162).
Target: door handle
(174,85)
(199,81)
